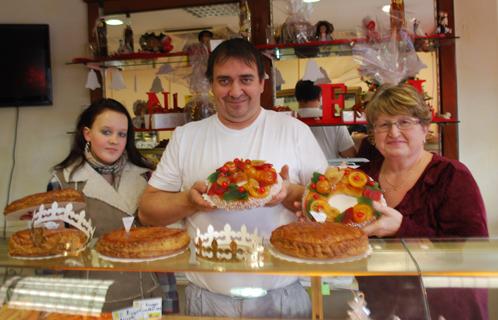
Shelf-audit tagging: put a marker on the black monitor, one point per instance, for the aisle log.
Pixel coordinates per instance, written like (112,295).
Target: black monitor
(25,72)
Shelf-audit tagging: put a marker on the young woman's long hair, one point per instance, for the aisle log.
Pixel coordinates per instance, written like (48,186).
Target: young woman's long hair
(86,119)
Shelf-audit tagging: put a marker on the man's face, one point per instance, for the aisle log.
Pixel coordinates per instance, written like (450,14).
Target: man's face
(237,90)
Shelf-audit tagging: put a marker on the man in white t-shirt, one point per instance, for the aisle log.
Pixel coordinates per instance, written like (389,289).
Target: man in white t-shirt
(241,128)
(335,141)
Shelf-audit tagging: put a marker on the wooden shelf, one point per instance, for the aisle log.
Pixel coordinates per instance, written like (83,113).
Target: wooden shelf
(129,56)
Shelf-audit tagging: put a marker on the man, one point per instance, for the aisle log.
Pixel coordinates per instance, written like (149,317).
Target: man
(241,128)
(335,141)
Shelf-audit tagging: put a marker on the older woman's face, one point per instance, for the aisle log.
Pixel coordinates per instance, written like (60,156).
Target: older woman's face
(399,136)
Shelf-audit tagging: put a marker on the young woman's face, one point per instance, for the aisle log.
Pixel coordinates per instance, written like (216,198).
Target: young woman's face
(107,136)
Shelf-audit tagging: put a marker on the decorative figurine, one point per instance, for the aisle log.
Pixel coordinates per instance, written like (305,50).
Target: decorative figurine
(371,32)
(150,42)
(323,31)
(442,23)
(128,35)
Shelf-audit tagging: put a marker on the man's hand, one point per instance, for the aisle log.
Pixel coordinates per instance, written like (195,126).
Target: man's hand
(195,197)
(388,223)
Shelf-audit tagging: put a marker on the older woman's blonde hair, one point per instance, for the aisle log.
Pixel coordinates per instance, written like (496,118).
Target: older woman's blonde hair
(402,99)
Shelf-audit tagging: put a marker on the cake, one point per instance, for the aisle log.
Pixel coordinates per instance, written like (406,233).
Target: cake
(314,240)
(46,198)
(342,195)
(142,242)
(243,184)
(42,242)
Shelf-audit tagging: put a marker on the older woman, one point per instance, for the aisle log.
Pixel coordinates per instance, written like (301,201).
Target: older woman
(427,195)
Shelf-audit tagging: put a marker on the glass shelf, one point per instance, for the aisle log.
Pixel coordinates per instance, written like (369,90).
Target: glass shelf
(340,47)
(390,257)
(455,257)
(135,59)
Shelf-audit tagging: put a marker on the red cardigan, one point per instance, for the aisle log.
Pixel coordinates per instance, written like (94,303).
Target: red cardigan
(444,202)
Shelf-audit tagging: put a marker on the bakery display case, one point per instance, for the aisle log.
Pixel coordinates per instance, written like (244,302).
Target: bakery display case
(435,264)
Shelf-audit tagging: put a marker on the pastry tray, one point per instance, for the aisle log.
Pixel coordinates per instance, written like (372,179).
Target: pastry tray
(129,260)
(274,252)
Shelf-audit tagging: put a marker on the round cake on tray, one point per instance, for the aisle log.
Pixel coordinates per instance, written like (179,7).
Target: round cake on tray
(243,184)
(42,242)
(314,240)
(342,194)
(142,242)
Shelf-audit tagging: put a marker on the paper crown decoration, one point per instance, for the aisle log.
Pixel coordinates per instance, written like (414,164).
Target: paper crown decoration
(228,245)
(48,218)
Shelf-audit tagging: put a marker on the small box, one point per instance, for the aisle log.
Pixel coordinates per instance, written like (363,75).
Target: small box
(165,120)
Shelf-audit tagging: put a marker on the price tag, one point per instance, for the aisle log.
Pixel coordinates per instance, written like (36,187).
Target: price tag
(125,314)
(127,222)
(146,309)
(319,216)
(150,309)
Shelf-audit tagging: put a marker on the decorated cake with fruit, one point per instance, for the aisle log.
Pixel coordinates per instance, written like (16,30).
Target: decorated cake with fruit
(243,184)
(342,195)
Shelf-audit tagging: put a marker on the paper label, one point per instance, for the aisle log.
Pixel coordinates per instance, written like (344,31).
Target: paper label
(125,314)
(150,309)
(147,309)
(318,216)
(127,222)
(325,289)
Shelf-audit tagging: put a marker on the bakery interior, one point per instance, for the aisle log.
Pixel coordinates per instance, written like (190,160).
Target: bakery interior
(25,167)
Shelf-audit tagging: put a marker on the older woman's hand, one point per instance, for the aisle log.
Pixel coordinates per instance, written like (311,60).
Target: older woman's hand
(388,223)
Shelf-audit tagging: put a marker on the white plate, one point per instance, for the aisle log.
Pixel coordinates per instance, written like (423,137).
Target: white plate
(49,257)
(274,252)
(125,260)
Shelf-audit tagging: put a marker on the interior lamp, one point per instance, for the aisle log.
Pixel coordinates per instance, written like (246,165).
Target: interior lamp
(310,1)
(113,21)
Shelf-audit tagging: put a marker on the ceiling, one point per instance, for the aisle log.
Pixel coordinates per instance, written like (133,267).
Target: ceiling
(346,17)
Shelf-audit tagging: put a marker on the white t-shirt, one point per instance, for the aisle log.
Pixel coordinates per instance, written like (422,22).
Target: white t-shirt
(332,140)
(198,148)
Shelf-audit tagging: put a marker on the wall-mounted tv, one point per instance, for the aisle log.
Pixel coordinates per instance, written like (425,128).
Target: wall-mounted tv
(25,72)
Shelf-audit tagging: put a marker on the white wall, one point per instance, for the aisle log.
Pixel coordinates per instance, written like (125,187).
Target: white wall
(477,72)
(41,136)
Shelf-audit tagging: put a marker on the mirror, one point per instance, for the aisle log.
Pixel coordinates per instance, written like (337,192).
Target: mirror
(336,61)
(181,24)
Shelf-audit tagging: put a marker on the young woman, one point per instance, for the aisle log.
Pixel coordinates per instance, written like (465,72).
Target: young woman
(105,165)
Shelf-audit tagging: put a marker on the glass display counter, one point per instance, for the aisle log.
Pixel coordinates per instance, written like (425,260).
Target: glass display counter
(449,264)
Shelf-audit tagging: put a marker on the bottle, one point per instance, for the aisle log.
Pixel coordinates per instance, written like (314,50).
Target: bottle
(245,20)
(128,35)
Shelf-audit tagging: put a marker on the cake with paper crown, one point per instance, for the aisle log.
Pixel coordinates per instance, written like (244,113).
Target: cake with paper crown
(42,242)
(142,242)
